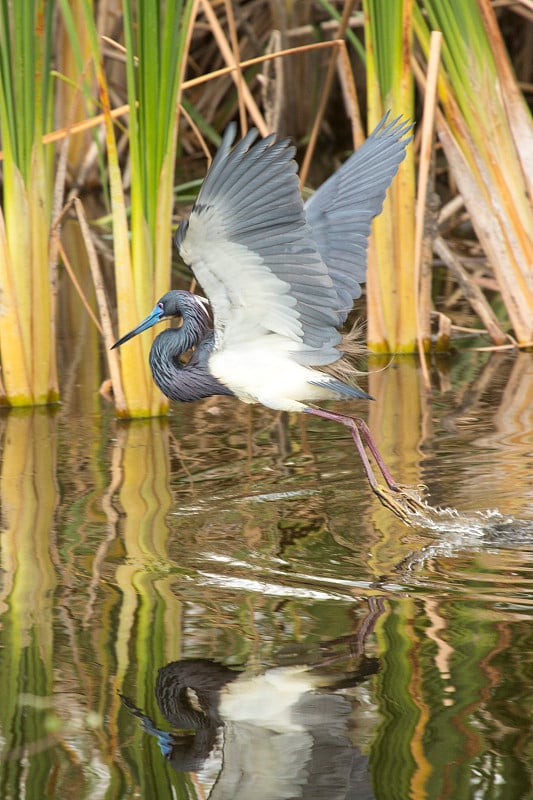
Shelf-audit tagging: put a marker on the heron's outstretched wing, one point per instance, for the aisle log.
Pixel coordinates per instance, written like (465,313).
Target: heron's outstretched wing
(250,247)
(341,211)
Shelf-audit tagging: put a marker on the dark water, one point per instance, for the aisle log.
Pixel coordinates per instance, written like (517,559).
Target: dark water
(373,659)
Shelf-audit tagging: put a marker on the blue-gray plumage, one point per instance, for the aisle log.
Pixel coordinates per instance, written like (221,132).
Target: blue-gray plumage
(192,380)
(281,278)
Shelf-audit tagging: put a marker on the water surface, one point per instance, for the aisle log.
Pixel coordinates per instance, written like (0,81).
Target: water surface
(402,655)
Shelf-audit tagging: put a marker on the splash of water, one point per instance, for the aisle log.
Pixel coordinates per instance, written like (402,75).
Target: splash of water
(475,524)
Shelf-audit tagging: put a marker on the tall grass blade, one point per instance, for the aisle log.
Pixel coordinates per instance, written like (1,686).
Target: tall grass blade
(156,38)
(485,156)
(27,334)
(156,42)
(391,296)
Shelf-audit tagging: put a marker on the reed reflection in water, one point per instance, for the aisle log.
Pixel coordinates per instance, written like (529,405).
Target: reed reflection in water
(251,540)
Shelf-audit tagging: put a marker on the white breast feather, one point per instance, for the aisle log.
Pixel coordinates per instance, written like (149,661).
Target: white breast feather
(263,371)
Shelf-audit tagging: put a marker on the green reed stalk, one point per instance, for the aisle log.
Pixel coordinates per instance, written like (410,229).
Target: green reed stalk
(156,41)
(391,295)
(74,96)
(487,134)
(156,38)
(27,328)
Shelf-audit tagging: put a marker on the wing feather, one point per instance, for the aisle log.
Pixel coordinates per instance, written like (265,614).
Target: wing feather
(269,266)
(250,247)
(340,212)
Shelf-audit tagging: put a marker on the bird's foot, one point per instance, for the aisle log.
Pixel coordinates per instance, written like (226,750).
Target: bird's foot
(404,502)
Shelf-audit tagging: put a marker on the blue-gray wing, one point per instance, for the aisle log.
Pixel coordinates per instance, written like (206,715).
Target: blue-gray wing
(250,247)
(340,212)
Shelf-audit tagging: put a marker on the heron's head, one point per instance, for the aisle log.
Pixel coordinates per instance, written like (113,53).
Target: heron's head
(173,304)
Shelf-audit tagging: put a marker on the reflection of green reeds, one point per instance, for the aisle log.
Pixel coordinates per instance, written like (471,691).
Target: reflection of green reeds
(27,335)
(390,287)
(28,496)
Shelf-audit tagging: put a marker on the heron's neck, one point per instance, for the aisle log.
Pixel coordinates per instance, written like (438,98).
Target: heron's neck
(180,381)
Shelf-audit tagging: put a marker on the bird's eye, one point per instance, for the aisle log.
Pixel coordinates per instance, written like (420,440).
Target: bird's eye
(160,306)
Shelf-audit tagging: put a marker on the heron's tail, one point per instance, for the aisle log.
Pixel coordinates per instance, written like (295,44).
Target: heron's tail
(351,348)
(342,389)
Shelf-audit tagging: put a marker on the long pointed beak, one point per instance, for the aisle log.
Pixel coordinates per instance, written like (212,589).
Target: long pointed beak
(153,318)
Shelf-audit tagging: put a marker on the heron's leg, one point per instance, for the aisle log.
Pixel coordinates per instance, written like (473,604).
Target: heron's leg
(369,440)
(400,501)
(351,424)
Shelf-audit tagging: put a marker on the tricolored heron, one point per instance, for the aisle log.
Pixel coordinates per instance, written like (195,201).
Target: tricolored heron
(281,278)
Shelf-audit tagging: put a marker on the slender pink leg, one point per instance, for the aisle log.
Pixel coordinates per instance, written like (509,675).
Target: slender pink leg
(350,423)
(401,502)
(367,436)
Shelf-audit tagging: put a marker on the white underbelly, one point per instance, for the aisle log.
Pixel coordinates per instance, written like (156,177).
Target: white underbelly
(270,377)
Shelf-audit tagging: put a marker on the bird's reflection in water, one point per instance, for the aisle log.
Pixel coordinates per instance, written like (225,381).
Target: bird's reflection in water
(275,735)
